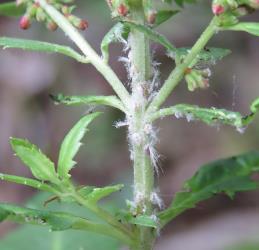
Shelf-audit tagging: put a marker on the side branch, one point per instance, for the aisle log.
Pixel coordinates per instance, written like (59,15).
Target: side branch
(177,74)
(88,51)
(210,116)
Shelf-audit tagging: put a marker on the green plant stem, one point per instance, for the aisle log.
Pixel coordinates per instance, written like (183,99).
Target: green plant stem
(140,49)
(177,74)
(162,113)
(143,170)
(56,241)
(102,229)
(88,51)
(106,216)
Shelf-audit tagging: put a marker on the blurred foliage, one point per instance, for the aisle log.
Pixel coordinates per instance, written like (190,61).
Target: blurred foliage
(31,237)
(245,246)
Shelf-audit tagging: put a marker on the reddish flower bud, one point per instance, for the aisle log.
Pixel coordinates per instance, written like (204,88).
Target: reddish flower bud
(187,71)
(52,26)
(122,10)
(25,22)
(151,17)
(83,25)
(254,4)
(218,9)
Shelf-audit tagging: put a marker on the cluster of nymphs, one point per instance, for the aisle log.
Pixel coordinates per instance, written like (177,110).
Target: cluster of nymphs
(35,12)
(120,8)
(235,8)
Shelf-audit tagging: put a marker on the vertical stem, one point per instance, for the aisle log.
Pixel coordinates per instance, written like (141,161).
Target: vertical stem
(57,241)
(141,73)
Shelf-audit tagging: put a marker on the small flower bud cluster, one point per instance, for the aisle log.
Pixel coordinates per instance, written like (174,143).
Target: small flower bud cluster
(234,7)
(35,12)
(119,8)
(197,78)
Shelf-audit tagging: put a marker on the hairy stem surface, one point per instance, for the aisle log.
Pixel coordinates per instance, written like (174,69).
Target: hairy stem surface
(141,73)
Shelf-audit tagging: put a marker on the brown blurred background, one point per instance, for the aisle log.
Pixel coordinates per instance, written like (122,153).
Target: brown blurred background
(27,79)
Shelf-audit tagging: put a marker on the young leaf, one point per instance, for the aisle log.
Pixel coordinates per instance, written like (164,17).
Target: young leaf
(41,166)
(207,55)
(118,33)
(164,15)
(57,221)
(71,145)
(11,9)
(112,101)
(249,27)
(152,35)
(142,220)
(92,194)
(229,176)
(33,45)
(28,182)
(99,193)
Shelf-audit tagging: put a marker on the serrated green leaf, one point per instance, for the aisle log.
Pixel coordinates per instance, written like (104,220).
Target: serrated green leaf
(209,54)
(118,33)
(112,101)
(41,166)
(11,9)
(93,194)
(28,182)
(210,116)
(97,194)
(227,176)
(249,27)
(71,145)
(57,221)
(164,15)
(39,46)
